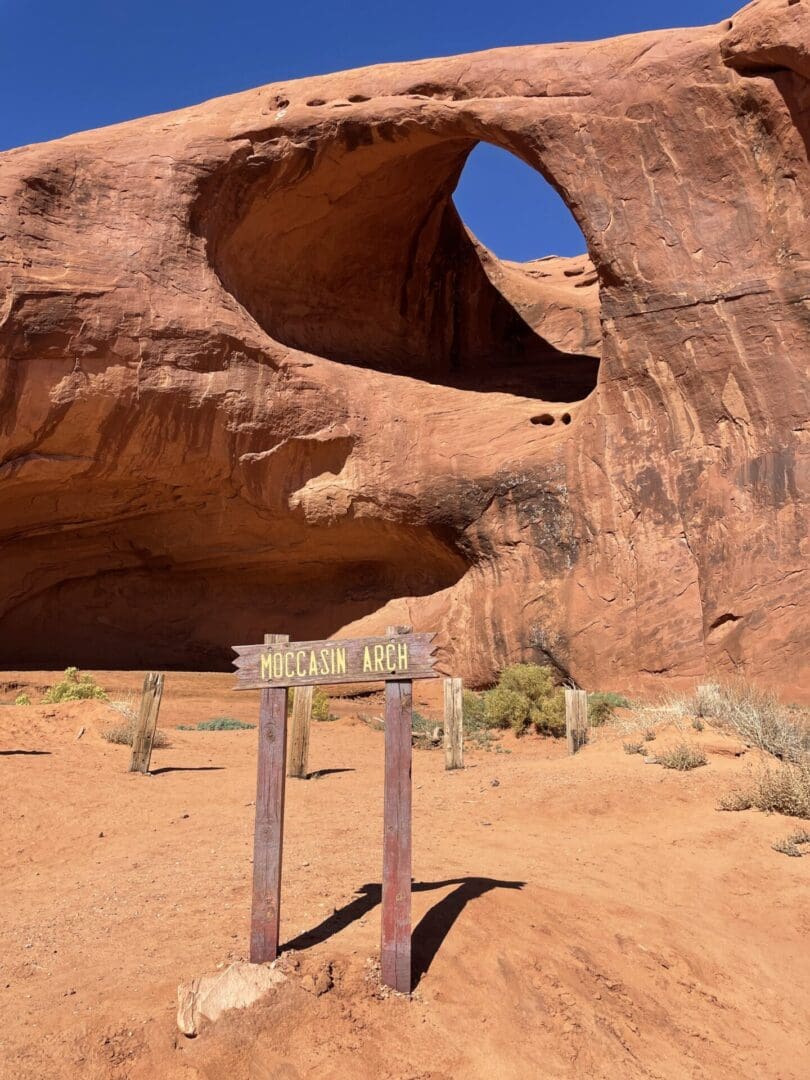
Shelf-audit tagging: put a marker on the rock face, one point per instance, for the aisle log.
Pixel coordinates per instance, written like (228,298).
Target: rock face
(256,375)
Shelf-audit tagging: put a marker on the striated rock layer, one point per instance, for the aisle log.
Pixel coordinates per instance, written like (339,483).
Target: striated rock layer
(256,375)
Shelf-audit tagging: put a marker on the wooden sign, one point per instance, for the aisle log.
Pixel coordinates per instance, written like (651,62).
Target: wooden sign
(313,663)
(273,667)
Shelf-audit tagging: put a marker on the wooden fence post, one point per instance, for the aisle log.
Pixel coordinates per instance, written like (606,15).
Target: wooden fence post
(576,719)
(147,723)
(300,717)
(268,834)
(395,950)
(453,724)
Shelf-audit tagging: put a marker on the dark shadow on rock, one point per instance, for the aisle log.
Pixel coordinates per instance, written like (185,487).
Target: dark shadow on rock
(29,753)
(432,929)
(186,768)
(319,773)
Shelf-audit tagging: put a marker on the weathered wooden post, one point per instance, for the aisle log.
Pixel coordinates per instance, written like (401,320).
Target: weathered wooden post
(395,946)
(453,724)
(300,716)
(268,834)
(147,723)
(576,719)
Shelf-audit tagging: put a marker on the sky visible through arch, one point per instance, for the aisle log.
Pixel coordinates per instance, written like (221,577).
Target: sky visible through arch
(67,67)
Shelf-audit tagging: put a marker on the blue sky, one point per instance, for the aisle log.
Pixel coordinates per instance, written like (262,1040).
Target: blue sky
(68,66)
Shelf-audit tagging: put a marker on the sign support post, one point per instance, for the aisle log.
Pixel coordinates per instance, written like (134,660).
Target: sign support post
(268,832)
(395,947)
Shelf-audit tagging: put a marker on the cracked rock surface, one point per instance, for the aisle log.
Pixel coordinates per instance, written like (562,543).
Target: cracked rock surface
(257,376)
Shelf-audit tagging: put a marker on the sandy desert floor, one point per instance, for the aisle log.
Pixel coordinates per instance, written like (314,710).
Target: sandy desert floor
(574,917)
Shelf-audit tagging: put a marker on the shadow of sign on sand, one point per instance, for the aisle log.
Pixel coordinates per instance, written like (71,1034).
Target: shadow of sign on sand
(432,929)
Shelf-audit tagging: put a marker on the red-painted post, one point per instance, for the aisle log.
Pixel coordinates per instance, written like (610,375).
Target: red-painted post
(268,833)
(396,882)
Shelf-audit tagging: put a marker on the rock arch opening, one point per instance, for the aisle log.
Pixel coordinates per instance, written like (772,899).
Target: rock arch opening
(359,255)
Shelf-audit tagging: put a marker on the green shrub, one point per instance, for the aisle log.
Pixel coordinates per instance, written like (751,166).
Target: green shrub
(74,687)
(504,708)
(601,706)
(473,712)
(682,756)
(526,695)
(22,699)
(320,707)
(219,723)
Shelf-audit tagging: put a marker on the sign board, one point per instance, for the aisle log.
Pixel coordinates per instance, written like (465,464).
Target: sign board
(355,660)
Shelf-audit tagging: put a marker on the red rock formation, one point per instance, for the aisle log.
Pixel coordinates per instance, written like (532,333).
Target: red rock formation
(255,375)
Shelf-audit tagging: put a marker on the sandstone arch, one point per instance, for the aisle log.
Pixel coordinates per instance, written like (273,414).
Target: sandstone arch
(185,439)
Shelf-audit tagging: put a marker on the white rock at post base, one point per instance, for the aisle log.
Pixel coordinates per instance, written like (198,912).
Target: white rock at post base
(209,996)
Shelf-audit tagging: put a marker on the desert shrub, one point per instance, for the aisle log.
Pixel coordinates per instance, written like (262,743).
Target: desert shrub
(74,687)
(601,706)
(473,711)
(504,708)
(735,800)
(124,735)
(757,717)
(218,723)
(649,735)
(633,747)
(320,707)
(793,844)
(698,724)
(543,702)
(22,699)
(776,789)
(682,756)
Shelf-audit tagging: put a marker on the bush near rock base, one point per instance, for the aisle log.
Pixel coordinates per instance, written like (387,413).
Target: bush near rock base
(74,687)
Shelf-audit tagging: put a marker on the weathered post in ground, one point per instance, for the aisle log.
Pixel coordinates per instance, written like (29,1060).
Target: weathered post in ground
(395,946)
(576,719)
(147,723)
(268,832)
(300,717)
(453,724)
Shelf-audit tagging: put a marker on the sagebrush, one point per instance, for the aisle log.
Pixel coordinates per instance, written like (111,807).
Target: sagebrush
(524,697)
(682,756)
(124,735)
(74,687)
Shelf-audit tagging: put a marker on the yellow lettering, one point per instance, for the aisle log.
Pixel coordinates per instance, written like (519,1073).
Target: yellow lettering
(324,669)
(390,657)
(313,663)
(278,665)
(267,666)
(367,659)
(341,661)
(379,658)
(300,671)
(288,665)
(402,656)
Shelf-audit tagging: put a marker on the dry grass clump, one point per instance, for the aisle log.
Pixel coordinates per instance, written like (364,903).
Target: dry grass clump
(124,735)
(792,845)
(757,717)
(682,756)
(633,747)
(776,789)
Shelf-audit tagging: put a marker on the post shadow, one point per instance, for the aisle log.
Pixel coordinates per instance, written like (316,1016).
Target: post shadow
(186,768)
(428,935)
(326,772)
(28,753)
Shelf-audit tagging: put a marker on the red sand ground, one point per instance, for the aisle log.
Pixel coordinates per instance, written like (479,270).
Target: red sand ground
(585,917)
